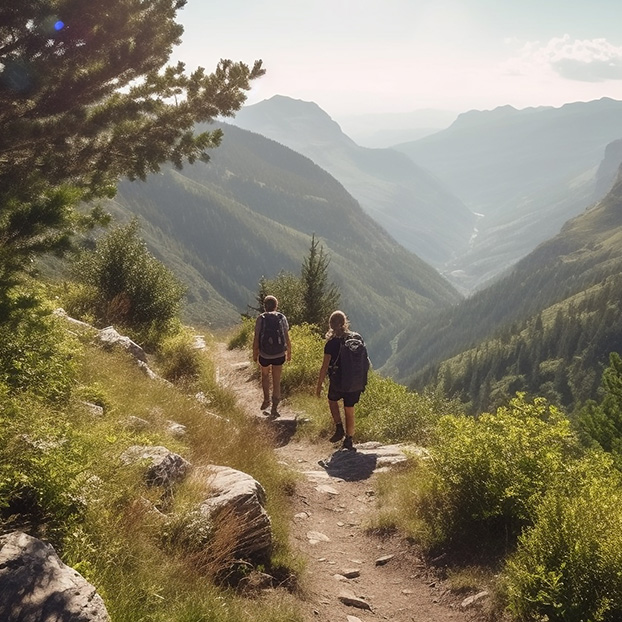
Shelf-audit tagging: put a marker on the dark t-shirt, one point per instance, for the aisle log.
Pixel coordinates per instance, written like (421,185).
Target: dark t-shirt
(332,347)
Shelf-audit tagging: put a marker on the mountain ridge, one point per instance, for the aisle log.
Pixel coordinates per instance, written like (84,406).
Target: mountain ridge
(526,171)
(408,201)
(546,328)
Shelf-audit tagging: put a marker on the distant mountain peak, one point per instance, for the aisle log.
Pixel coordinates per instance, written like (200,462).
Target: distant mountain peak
(473,118)
(291,105)
(283,117)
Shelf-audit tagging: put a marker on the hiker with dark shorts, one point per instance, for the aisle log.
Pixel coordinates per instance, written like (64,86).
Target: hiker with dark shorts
(271,348)
(347,372)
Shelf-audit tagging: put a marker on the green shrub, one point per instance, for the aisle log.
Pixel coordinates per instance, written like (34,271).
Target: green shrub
(179,358)
(567,566)
(489,474)
(389,412)
(243,337)
(127,286)
(44,466)
(37,355)
(301,373)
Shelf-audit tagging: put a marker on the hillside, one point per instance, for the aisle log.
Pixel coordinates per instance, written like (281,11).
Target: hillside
(412,205)
(546,328)
(526,172)
(250,212)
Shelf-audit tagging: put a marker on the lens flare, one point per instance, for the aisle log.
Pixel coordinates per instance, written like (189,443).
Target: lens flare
(59,25)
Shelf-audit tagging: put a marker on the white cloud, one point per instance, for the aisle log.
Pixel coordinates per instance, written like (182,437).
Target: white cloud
(587,60)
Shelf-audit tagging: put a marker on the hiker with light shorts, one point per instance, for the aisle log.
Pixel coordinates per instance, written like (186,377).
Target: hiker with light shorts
(346,363)
(271,348)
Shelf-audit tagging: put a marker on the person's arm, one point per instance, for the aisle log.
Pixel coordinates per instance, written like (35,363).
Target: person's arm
(323,370)
(256,340)
(288,353)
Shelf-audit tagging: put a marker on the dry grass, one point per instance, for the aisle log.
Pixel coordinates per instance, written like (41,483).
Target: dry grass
(123,543)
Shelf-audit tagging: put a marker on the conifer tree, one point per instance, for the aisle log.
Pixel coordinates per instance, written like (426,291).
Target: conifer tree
(86,97)
(320,297)
(602,422)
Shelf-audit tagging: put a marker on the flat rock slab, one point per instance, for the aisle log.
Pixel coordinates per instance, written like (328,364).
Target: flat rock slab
(315,537)
(369,458)
(350,599)
(329,490)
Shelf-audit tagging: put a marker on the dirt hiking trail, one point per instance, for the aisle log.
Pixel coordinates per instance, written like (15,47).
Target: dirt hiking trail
(351,575)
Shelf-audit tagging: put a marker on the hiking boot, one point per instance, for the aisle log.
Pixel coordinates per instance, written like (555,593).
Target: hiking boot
(265,403)
(275,403)
(347,443)
(338,435)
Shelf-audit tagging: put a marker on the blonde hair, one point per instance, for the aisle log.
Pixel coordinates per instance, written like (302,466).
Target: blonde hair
(338,324)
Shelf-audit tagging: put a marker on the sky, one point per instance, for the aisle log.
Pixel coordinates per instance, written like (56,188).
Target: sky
(354,57)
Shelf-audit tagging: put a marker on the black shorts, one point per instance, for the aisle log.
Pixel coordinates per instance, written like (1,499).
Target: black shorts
(349,399)
(267,362)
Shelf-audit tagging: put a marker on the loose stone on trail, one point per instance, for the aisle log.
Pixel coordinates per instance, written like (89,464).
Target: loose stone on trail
(315,536)
(351,600)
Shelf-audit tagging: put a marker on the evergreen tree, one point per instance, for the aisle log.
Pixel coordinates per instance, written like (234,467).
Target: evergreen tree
(602,423)
(85,99)
(320,297)
(309,298)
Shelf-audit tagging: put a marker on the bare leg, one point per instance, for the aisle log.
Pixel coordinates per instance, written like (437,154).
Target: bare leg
(265,385)
(349,420)
(276,381)
(334,411)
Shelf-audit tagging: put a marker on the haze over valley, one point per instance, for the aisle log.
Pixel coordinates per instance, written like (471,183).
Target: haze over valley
(473,198)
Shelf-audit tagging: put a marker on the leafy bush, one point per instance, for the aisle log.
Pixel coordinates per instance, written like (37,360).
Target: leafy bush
(179,357)
(600,424)
(301,373)
(243,337)
(44,464)
(127,285)
(567,566)
(37,355)
(289,291)
(389,412)
(489,474)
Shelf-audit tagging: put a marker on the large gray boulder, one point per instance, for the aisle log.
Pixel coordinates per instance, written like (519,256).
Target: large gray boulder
(35,585)
(234,496)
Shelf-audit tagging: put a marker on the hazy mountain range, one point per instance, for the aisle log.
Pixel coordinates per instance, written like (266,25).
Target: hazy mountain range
(417,210)
(526,171)
(381,130)
(547,327)
(502,180)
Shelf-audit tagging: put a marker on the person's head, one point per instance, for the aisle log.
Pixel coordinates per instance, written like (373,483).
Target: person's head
(270,303)
(338,324)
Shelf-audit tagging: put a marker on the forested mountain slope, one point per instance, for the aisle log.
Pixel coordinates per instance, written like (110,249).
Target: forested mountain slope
(547,328)
(409,202)
(251,211)
(525,171)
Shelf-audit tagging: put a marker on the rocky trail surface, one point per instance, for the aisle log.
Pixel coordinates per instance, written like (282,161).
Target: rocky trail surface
(351,574)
